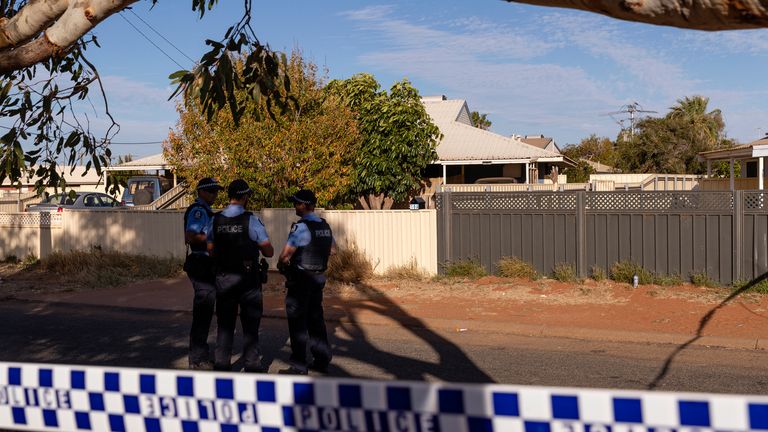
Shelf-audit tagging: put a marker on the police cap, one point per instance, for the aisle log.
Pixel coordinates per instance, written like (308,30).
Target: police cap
(305,196)
(209,184)
(238,189)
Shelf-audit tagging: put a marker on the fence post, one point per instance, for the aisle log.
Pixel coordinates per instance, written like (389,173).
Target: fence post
(445,253)
(581,234)
(738,232)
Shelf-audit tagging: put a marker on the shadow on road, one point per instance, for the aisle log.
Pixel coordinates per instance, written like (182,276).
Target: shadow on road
(452,363)
(92,335)
(136,337)
(700,330)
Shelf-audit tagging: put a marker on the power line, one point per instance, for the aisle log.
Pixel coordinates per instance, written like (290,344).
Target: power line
(136,143)
(150,41)
(159,34)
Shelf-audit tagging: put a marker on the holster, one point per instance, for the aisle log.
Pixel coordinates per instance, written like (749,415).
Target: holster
(199,266)
(264,270)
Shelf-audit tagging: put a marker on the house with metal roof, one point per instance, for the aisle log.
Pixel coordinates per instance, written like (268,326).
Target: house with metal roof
(467,154)
(77,178)
(750,156)
(540,141)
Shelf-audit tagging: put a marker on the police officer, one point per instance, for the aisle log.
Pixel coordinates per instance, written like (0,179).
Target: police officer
(198,220)
(238,236)
(304,261)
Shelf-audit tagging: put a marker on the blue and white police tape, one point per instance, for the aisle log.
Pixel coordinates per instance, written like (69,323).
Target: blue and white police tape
(75,398)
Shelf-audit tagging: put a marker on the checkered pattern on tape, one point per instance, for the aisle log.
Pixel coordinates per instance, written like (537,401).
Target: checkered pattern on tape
(104,399)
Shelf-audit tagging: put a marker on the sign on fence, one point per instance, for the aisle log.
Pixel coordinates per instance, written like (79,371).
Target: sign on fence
(72,398)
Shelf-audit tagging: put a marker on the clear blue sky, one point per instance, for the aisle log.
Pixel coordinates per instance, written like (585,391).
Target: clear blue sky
(532,69)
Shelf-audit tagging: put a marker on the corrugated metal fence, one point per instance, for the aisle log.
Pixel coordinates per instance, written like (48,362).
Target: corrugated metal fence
(389,238)
(724,234)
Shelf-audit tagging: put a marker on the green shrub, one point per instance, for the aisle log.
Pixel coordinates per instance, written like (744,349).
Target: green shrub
(668,280)
(30,261)
(597,273)
(514,267)
(410,271)
(625,271)
(11,259)
(465,269)
(349,265)
(760,287)
(701,279)
(564,272)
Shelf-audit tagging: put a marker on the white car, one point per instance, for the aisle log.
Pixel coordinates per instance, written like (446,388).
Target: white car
(81,200)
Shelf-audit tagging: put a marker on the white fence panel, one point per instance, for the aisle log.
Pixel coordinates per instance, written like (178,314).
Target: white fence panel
(158,233)
(390,237)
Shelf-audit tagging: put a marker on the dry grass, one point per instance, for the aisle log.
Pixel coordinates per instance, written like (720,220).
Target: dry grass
(514,267)
(469,269)
(410,271)
(625,271)
(564,272)
(349,265)
(701,279)
(96,269)
(597,273)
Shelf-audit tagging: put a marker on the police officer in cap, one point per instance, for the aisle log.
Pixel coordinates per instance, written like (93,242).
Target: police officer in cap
(198,220)
(304,261)
(238,238)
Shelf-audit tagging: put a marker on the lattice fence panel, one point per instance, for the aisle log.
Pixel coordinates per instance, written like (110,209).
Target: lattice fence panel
(669,202)
(30,219)
(528,201)
(756,202)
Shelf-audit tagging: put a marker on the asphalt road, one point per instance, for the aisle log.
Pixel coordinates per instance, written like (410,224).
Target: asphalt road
(99,335)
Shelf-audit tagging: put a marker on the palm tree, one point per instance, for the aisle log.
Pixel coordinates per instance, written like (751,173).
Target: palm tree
(704,129)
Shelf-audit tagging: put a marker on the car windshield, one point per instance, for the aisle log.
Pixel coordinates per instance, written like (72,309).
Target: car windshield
(138,185)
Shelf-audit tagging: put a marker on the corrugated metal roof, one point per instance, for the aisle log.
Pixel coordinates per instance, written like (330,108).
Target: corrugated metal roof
(463,142)
(541,143)
(153,160)
(77,177)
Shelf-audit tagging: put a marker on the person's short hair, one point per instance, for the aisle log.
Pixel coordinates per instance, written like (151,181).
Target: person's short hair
(238,189)
(305,196)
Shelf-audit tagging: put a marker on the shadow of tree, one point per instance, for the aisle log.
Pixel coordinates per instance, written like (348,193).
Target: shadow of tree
(452,363)
(703,322)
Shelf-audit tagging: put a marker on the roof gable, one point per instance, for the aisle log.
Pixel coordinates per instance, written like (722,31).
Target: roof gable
(464,142)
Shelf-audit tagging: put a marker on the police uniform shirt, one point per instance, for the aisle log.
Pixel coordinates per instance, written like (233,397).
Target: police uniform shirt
(256,229)
(199,222)
(300,235)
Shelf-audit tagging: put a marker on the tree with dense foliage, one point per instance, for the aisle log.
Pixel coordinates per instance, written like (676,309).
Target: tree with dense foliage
(579,173)
(44,72)
(670,144)
(480,120)
(312,147)
(593,148)
(398,139)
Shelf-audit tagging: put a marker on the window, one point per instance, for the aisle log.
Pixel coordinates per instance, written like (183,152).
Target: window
(91,201)
(135,186)
(107,201)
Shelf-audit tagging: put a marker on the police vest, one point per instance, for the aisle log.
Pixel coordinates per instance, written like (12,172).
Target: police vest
(314,256)
(232,246)
(196,206)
